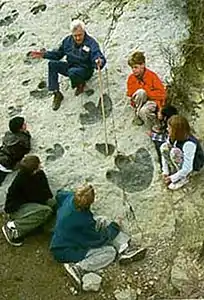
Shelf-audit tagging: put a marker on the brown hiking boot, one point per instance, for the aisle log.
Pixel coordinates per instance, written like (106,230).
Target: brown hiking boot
(58,97)
(79,89)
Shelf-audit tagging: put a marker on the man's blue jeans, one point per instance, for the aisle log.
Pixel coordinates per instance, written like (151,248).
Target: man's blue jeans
(77,75)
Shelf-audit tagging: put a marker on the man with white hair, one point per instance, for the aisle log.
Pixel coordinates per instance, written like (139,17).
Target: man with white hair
(83,55)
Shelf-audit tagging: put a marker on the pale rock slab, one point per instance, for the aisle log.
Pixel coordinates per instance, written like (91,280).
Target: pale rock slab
(91,282)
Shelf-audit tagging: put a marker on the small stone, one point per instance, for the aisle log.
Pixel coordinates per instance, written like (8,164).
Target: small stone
(91,282)
(151,282)
(139,291)
(126,294)
(72,290)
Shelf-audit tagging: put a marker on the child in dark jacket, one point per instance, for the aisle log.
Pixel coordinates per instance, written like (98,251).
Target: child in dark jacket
(16,143)
(27,201)
(83,242)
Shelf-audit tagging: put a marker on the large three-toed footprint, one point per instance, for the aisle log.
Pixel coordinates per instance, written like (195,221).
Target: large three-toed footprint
(56,152)
(135,172)
(94,113)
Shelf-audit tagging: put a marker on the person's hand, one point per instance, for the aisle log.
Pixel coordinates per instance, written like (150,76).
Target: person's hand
(167,179)
(98,62)
(101,222)
(37,54)
(149,133)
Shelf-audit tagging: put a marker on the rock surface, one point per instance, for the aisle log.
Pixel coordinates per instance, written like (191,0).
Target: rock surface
(66,140)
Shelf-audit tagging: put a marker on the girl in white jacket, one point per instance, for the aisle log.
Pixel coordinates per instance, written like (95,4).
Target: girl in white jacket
(178,153)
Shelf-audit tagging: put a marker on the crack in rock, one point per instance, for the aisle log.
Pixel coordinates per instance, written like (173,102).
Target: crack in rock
(116,14)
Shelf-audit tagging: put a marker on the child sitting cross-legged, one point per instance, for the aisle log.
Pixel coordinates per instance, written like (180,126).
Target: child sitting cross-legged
(86,243)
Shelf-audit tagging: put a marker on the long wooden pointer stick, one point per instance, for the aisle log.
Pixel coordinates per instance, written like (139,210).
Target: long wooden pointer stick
(102,108)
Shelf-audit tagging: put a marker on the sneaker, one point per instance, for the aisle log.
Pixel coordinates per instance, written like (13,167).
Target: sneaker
(132,255)
(58,97)
(11,236)
(177,185)
(75,274)
(79,89)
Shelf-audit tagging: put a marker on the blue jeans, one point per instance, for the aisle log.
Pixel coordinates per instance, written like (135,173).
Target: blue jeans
(77,75)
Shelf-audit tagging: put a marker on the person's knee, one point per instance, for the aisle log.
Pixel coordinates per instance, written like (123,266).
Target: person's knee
(164,148)
(141,93)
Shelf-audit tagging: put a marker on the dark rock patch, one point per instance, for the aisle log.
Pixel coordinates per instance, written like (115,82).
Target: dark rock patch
(36,9)
(21,34)
(14,111)
(11,39)
(135,172)
(94,113)
(55,153)
(26,82)
(89,92)
(2,4)
(42,84)
(102,148)
(108,106)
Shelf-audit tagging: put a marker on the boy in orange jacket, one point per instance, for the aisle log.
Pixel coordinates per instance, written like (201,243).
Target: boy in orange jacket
(145,89)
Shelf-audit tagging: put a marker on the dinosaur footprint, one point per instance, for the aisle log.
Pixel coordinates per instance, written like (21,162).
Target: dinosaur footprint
(9,19)
(41,91)
(13,111)
(36,9)
(55,153)
(94,113)
(102,148)
(135,172)
(11,39)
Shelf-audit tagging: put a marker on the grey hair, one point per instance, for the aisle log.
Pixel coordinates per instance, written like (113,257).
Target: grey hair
(77,23)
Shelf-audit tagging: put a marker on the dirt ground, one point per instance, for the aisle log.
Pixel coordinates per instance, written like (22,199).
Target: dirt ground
(30,273)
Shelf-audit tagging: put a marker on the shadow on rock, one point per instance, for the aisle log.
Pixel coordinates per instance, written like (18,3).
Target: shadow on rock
(94,113)
(135,172)
(102,149)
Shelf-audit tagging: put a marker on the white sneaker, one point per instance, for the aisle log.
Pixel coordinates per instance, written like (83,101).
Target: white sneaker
(177,185)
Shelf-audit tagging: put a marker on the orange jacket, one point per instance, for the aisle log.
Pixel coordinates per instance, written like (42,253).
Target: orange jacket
(151,84)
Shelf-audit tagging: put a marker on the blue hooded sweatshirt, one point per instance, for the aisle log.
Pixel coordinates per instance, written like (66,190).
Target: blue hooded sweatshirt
(75,232)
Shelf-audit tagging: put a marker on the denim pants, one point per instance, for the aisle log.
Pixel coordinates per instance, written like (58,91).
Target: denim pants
(77,75)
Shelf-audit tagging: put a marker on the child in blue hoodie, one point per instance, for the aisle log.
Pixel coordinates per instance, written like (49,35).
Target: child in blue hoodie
(83,242)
